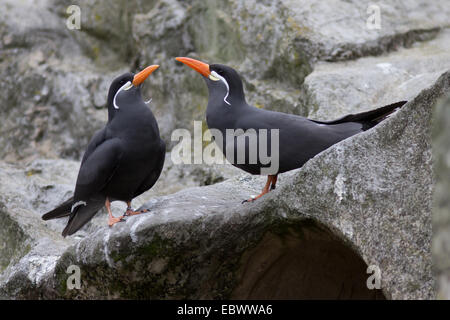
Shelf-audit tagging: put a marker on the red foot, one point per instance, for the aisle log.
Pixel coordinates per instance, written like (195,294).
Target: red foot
(131,212)
(112,221)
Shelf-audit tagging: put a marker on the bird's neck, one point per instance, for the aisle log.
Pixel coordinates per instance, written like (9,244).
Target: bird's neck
(111,111)
(132,96)
(222,116)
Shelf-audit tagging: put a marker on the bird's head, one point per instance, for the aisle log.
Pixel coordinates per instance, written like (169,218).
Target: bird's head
(224,83)
(126,82)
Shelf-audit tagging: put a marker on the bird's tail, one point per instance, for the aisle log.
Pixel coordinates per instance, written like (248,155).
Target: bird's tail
(63,210)
(380,114)
(82,214)
(369,118)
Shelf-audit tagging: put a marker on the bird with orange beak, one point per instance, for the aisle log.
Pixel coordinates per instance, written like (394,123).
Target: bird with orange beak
(296,139)
(122,160)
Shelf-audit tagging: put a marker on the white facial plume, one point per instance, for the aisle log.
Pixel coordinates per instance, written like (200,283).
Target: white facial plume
(216,77)
(125,87)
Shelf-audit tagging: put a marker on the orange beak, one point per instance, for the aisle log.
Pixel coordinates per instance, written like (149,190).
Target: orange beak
(141,76)
(200,67)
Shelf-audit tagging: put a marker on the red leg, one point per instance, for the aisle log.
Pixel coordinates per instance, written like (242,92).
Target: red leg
(274,182)
(270,184)
(111,219)
(131,212)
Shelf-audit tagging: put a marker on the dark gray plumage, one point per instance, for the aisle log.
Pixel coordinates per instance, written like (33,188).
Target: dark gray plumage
(300,138)
(122,160)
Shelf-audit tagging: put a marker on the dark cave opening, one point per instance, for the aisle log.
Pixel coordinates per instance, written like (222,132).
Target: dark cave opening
(305,261)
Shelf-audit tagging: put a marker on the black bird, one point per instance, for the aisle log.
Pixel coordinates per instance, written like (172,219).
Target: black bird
(122,160)
(299,140)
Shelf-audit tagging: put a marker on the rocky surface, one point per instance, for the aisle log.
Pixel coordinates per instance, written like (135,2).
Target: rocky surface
(39,186)
(275,45)
(348,87)
(356,197)
(313,59)
(55,79)
(49,89)
(441,205)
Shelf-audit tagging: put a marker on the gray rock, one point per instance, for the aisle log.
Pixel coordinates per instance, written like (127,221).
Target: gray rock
(338,30)
(275,45)
(51,88)
(441,205)
(357,86)
(366,200)
(56,79)
(293,58)
(28,191)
